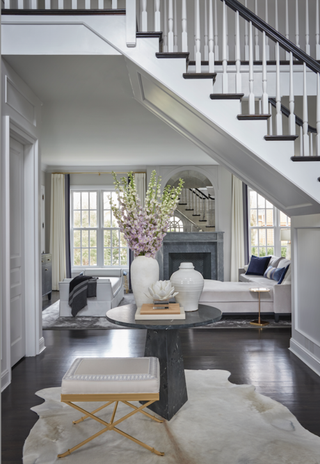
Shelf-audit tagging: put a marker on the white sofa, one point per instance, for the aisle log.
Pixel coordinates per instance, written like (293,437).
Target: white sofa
(110,292)
(236,298)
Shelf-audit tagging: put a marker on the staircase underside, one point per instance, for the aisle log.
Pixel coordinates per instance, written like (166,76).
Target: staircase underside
(185,105)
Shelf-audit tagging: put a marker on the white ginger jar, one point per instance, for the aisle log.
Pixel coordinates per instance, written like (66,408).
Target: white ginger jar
(189,283)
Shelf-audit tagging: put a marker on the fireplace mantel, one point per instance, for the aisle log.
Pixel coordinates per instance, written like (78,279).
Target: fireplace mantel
(203,249)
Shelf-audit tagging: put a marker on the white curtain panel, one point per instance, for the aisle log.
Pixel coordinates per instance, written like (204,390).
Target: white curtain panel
(237,232)
(57,230)
(140,179)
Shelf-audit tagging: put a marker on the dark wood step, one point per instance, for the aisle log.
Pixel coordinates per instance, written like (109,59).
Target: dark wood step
(305,158)
(269,138)
(183,55)
(226,96)
(246,63)
(63,12)
(253,117)
(200,76)
(151,35)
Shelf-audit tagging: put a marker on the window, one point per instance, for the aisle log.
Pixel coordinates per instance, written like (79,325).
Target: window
(175,224)
(96,240)
(265,224)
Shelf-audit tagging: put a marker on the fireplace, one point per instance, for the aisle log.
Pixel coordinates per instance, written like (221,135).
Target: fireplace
(203,249)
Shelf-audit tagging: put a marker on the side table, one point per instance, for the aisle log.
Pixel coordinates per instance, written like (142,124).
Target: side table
(259,322)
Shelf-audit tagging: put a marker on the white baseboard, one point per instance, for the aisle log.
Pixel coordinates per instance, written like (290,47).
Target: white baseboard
(41,345)
(5,379)
(306,356)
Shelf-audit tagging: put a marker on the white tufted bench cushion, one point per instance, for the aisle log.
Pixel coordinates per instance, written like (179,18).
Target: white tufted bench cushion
(112,375)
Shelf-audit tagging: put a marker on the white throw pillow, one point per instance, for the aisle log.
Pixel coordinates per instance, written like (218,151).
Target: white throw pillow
(284,263)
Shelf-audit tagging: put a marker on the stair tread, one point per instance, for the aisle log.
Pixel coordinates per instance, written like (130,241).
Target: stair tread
(226,96)
(68,12)
(248,117)
(280,137)
(305,158)
(199,75)
(184,55)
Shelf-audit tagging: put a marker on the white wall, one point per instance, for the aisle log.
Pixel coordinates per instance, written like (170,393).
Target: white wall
(305,341)
(21,117)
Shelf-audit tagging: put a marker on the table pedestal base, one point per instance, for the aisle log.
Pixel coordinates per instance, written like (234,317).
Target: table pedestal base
(165,345)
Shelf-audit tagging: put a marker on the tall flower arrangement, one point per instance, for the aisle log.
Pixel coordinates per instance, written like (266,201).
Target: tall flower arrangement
(144,227)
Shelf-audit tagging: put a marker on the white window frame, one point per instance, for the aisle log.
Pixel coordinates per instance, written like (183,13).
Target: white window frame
(277,248)
(100,228)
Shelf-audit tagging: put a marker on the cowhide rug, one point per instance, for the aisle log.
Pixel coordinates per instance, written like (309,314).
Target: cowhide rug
(221,423)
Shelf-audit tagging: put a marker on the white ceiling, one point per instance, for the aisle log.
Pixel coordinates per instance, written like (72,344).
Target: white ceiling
(90,118)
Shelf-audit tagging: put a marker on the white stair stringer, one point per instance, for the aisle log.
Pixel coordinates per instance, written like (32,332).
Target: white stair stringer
(186,106)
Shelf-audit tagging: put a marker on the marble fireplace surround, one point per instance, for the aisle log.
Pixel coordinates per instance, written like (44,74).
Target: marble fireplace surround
(203,249)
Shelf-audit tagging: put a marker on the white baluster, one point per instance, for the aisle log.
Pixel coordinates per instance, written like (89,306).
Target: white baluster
(246,36)
(311,143)
(157,20)
(297,24)
(264,76)
(7,4)
(144,15)
(197,37)
(100,4)
(165,27)
(270,132)
(184,27)
(292,118)
(317,32)
(60,4)
(87,4)
(278,94)
(131,15)
(170,26)
(175,27)
(251,92)
(47,4)
(256,35)
(305,113)
(114,4)
(237,52)
(211,42)
(205,39)
(301,140)
(276,20)
(20,4)
(216,43)
(287,28)
(224,49)
(307,28)
(33,4)
(318,116)
(267,39)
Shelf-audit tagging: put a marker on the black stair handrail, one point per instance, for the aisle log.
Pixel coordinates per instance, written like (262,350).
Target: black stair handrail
(286,112)
(273,34)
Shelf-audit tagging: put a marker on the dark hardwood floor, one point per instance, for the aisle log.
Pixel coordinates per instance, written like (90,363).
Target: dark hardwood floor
(252,356)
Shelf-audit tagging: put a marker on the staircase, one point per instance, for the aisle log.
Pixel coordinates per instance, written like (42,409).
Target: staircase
(241,112)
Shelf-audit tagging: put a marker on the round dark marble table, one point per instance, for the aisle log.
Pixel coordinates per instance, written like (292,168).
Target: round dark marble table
(163,342)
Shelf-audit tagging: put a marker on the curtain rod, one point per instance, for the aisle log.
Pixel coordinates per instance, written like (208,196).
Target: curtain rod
(99,172)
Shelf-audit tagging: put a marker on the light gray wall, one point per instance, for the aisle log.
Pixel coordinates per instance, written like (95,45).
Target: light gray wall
(305,250)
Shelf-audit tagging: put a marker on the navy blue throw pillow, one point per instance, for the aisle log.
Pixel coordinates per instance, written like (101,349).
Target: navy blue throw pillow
(257,266)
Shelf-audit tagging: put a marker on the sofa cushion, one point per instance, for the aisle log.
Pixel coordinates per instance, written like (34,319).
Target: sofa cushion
(276,273)
(258,265)
(275,260)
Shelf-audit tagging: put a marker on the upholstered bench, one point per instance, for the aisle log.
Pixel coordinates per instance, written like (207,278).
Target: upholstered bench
(110,380)
(110,291)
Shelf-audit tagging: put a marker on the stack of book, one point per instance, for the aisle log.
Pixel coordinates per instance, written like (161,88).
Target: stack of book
(155,312)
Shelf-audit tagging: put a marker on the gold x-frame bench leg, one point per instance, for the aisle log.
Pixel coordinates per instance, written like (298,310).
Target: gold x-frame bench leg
(111,425)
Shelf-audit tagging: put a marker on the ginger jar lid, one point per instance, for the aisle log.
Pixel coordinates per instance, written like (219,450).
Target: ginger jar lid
(186,266)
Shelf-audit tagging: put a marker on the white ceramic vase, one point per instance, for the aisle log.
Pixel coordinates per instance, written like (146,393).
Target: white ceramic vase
(144,272)
(189,283)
